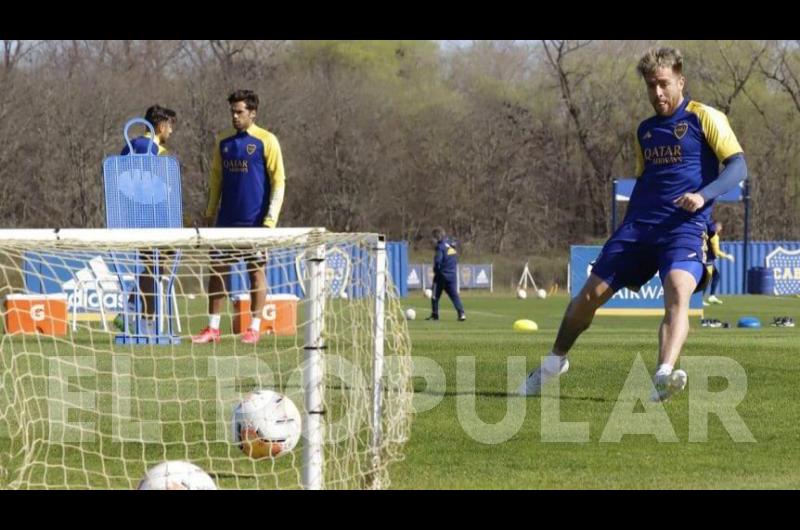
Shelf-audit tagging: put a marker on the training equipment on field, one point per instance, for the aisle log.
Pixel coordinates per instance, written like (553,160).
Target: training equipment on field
(783,322)
(410,314)
(526,276)
(522,294)
(749,322)
(713,323)
(79,411)
(176,475)
(541,294)
(144,191)
(266,424)
(525,326)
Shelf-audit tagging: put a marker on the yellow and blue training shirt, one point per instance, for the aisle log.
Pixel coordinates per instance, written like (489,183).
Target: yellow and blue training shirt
(247,179)
(140,146)
(445,261)
(679,154)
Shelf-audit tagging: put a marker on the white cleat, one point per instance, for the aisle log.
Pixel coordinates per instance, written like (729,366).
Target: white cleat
(714,300)
(533,383)
(669,385)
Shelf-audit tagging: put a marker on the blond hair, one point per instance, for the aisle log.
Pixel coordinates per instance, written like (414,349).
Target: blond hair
(660,58)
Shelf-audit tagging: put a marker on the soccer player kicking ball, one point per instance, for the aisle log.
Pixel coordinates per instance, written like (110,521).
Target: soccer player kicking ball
(678,155)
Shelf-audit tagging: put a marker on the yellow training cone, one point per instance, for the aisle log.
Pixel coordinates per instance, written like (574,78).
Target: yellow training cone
(525,326)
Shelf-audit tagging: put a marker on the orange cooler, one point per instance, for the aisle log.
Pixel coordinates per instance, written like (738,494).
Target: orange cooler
(279,315)
(36,313)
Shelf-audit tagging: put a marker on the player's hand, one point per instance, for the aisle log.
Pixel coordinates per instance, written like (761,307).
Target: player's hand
(691,202)
(269,223)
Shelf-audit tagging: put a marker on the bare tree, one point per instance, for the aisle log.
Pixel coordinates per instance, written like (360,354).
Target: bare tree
(784,70)
(590,111)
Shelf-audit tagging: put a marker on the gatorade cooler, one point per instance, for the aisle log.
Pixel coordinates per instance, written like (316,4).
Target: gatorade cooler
(279,315)
(36,313)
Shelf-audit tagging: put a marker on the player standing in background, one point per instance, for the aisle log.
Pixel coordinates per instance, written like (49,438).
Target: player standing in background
(163,121)
(679,151)
(445,274)
(246,190)
(714,252)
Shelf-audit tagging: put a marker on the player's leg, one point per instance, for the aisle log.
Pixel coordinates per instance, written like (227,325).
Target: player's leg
(714,285)
(577,319)
(678,288)
(680,279)
(148,286)
(679,284)
(708,289)
(438,287)
(220,267)
(580,313)
(622,262)
(451,288)
(145,294)
(258,296)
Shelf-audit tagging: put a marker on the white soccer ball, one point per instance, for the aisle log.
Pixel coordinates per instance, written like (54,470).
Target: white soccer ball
(541,293)
(176,475)
(343,295)
(428,293)
(521,294)
(411,314)
(266,424)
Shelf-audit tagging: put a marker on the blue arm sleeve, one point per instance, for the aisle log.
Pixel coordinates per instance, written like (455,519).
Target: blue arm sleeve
(438,259)
(735,171)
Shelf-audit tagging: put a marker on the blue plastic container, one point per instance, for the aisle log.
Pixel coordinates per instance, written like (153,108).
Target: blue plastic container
(749,322)
(760,281)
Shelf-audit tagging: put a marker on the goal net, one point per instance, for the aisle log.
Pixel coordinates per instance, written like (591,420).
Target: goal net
(100,379)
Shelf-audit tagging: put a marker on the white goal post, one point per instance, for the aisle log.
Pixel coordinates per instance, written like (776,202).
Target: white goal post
(86,404)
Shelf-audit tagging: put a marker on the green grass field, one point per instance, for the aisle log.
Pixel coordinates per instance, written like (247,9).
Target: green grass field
(453,442)
(443,454)
(79,411)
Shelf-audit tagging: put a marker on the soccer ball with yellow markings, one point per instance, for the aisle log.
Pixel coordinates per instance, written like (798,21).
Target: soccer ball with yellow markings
(266,424)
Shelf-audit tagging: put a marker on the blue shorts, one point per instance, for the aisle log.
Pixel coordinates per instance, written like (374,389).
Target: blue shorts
(636,251)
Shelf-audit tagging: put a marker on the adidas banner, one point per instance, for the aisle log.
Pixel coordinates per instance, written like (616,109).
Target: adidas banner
(420,276)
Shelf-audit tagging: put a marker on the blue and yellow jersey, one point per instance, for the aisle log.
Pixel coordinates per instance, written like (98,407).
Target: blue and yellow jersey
(714,250)
(140,146)
(675,155)
(247,179)
(445,261)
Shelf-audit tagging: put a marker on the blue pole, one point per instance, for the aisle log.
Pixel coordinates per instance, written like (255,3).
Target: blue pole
(613,206)
(746,234)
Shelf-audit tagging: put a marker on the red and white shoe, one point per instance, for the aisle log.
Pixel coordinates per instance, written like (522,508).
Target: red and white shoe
(250,336)
(207,335)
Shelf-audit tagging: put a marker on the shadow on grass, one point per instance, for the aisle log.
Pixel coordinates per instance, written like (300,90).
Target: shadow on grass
(508,395)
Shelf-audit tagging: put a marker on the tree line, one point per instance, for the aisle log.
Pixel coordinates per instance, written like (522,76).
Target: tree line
(511,146)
